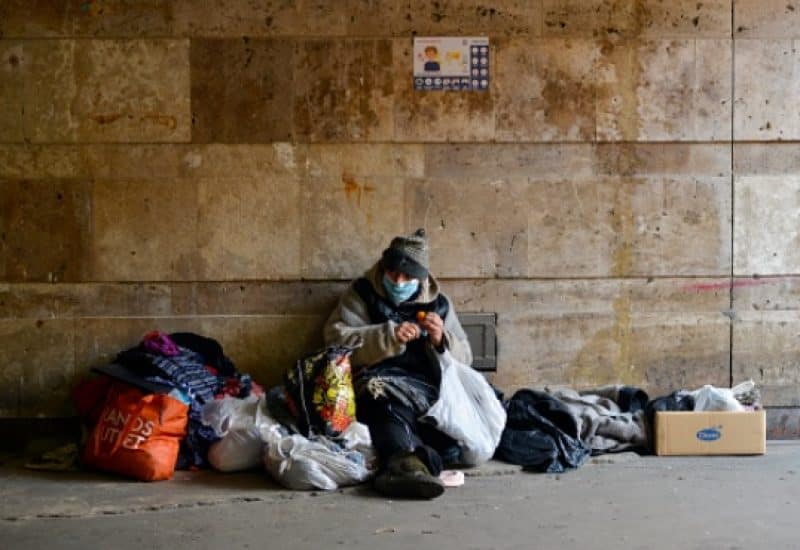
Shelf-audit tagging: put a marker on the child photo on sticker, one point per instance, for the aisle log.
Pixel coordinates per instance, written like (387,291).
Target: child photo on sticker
(431,59)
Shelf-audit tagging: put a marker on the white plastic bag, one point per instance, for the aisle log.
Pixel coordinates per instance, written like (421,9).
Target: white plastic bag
(239,422)
(747,394)
(711,398)
(356,438)
(228,413)
(299,463)
(468,411)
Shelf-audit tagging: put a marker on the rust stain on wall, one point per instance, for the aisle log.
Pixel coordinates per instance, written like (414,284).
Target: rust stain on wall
(163,120)
(623,367)
(621,58)
(355,190)
(607,357)
(566,100)
(638,14)
(622,223)
(344,91)
(107,118)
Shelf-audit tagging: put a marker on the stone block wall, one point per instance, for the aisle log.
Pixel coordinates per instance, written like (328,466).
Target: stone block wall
(626,197)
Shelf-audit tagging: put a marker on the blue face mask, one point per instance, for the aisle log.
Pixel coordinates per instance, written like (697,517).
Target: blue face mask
(400,292)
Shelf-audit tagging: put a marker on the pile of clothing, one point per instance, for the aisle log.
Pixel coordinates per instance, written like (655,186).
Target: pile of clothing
(555,430)
(176,401)
(180,390)
(144,416)
(199,371)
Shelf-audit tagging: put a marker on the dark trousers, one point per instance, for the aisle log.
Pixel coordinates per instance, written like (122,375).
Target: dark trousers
(394,429)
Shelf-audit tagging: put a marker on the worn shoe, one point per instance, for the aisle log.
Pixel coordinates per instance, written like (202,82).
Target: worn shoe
(407,477)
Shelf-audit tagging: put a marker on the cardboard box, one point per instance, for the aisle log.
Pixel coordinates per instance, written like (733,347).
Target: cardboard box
(711,433)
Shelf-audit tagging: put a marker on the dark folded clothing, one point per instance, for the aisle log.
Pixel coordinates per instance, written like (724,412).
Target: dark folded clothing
(541,434)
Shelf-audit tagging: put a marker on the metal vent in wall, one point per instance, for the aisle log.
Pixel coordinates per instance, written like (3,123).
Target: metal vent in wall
(480,329)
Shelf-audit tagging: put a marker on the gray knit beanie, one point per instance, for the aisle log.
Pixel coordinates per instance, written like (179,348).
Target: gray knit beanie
(408,254)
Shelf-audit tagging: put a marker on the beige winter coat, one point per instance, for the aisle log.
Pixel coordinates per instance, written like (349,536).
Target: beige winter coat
(350,320)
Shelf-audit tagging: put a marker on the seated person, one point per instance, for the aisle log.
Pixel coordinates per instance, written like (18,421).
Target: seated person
(403,321)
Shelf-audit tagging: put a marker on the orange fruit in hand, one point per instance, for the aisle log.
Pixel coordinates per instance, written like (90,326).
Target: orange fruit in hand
(421,316)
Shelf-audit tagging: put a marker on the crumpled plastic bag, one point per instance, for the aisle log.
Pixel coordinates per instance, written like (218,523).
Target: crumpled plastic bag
(468,411)
(747,394)
(297,462)
(319,391)
(711,398)
(239,422)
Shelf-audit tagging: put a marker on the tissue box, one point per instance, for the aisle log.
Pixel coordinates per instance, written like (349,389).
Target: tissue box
(711,433)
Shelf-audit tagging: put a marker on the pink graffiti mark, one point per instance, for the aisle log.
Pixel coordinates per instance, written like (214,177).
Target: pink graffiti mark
(725,285)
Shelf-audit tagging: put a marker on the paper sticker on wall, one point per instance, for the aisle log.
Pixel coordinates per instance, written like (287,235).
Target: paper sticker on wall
(451,63)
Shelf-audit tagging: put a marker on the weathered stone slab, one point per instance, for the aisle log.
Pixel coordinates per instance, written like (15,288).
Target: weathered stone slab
(766,294)
(13,67)
(43,301)
(32,18)
(579,160)
(634,18)
(464,241)
(468,18)
(107,91)
(590,296)
(357,17)
(92,18)
(662,159)
(370,17)
(268,345)
(629,226)
(490,160)
(125,162)
(256,298)
(766,225)
(766,19)
(421,116)
(36,367)
(766,349)
(783,423)
(752,159)
(659,352)
(168,161)
(98,340)
(266,161)
(145,231)
(661,334)
(64,300)
(236,18)
(545,90)
(765,344)
(365,160)
(44,230)
(767,90)
(664,90)
(343,90)
(347,221)
(248,228)
(353,203)
(241,90)
(42,162)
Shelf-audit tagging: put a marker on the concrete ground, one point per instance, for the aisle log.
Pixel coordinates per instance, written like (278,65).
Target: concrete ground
(621,501)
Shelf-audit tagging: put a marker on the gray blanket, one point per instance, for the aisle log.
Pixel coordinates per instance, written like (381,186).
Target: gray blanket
(601,423)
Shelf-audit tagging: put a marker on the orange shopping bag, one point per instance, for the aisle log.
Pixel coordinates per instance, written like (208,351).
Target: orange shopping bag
(137,434)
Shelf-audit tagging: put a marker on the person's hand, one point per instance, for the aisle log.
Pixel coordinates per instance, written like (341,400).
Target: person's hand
(405,332)
(435,327)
